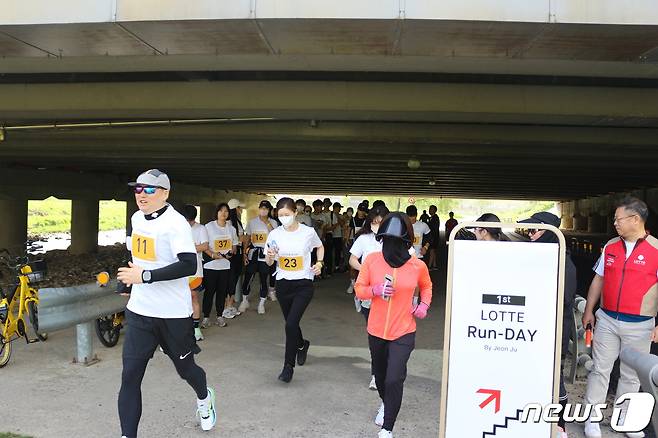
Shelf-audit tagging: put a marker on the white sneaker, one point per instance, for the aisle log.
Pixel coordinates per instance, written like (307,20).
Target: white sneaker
(379,419)
(205,323)
(228,313)
(385,434)
(350,288)
(197,334)
(244,305)
(221,322)
(373,384)
(357,304)
(206,411)
(261,308)
(592,430)
(271,294)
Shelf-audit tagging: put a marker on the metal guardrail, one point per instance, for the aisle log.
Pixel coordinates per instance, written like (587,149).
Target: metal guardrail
(79,306)
(646,367)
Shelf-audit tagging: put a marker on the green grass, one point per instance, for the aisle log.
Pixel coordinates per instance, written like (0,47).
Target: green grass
(12,435)
(53,215)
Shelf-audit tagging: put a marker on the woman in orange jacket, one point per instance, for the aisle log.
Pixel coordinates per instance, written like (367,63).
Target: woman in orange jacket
(389,278)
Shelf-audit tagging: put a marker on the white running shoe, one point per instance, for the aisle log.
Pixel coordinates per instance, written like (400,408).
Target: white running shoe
(272,294)
(350,288)
(205,323)
(221,322)
(197,334)
(373,384)
(379,419)
(228,313)
(206,411)
(385,434)
(357,304)
(592,430)
(235,311)
(261,308)
(244,305)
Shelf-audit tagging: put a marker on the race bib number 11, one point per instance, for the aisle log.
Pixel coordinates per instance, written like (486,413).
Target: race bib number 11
(143,247)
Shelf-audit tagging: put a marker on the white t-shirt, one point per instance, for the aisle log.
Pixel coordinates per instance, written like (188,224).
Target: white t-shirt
(420,229)
(155,244)
(319,221)
(258,231)
(599,267)
(294,260)
(221,240)
(365,245)
(200,236)
(305,219)
(333,219)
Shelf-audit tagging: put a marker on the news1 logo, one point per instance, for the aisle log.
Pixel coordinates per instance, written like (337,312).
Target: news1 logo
(637,415)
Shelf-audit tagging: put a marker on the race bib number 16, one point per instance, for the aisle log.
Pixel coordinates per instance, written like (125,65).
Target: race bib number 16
(143,247)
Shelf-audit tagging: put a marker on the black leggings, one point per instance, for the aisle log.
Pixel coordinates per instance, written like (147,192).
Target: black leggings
(264,273)
(216,283)
(294,297)
(236,271)
(338,252)
(142,337)
(389,362)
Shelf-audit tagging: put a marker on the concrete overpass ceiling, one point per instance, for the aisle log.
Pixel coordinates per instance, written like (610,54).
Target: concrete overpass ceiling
(540,100)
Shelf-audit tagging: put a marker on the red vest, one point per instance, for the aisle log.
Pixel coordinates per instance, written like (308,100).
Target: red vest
(630,285)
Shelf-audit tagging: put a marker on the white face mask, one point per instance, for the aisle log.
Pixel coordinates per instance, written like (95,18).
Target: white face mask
(286,221)
(300,209)
(374,228)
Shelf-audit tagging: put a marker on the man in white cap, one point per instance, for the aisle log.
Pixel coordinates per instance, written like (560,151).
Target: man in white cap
(159,311)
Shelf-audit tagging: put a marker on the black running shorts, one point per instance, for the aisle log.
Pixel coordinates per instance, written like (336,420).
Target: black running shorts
(145,333)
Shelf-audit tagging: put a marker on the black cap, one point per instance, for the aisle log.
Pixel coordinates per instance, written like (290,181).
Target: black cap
(337,204)
(543,217)
(394,226)
(361,207)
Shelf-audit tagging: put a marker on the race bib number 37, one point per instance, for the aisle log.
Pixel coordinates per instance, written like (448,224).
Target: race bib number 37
(223,245)
(143,247)
(291,263)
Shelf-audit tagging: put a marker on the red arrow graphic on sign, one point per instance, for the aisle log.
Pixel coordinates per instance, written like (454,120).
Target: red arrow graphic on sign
(494,395)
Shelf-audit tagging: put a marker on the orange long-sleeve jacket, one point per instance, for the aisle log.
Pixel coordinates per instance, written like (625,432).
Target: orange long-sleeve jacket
(392,319)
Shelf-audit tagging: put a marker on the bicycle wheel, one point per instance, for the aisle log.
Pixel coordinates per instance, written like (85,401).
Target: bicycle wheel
(5,352)
(33,312)
(107,333)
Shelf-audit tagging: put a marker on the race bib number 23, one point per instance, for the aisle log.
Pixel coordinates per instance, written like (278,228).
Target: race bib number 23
(143,247)
(291,263)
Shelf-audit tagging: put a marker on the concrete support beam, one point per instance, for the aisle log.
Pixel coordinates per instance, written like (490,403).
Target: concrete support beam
(84,226)
(131,208)
(13,232)
(207,212)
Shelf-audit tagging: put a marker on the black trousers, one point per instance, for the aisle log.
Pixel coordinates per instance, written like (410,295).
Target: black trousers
(143,335)
(264,273)
(329,254)
(236,271)
(216,282)
(389,363)
(294,297)
(338,246)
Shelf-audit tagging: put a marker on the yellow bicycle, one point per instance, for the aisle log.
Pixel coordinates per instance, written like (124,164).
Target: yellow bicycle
(22,299)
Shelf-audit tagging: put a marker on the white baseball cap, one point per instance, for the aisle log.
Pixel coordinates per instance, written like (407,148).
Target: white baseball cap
(234,203)
(153,178)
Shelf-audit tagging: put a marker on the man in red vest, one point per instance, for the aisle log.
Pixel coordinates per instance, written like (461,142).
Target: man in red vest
(626,287)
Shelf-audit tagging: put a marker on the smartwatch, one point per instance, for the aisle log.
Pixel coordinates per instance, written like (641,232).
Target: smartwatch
(146,276)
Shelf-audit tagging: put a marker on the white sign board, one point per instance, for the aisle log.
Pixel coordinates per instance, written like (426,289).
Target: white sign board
(503,310)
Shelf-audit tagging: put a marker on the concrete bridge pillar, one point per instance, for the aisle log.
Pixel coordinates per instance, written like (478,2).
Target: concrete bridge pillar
(84,226)
(13,232)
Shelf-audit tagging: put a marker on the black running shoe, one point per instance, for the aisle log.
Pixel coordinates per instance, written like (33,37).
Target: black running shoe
(301,354)
(286,373)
